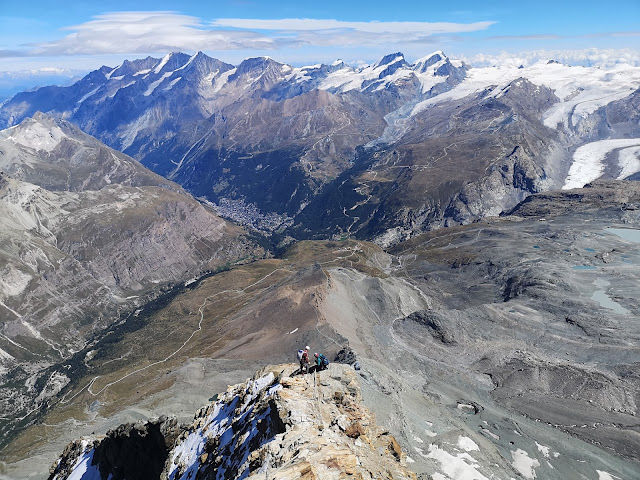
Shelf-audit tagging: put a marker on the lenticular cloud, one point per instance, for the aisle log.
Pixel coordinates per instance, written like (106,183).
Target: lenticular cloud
(141,32)
(145,32)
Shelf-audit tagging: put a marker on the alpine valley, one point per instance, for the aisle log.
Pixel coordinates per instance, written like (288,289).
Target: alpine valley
(469,235)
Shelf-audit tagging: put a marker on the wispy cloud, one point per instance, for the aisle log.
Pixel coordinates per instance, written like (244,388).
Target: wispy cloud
(149,32)
(525,37)
(317,25)
(327,32)
(10,53)
(625,34)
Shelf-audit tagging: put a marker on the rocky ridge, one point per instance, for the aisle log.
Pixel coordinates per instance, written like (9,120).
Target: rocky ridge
(276,425)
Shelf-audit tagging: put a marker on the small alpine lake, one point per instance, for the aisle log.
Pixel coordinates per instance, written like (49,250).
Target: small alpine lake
(629,234)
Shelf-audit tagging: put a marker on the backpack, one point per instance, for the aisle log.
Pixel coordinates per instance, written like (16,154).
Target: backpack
(324,361)
(300,352)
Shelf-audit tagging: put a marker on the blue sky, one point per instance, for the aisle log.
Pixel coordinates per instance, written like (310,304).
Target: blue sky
(44,36)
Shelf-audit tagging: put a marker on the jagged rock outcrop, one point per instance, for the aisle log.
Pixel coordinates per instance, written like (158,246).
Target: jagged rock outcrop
(274,426)
(133,451)
(596,196)
(346,355)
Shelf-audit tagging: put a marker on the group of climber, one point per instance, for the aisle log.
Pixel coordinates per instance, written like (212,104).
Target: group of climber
(320,361)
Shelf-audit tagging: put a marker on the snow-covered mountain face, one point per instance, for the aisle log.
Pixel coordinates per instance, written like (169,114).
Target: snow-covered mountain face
(87,236)
(414,145)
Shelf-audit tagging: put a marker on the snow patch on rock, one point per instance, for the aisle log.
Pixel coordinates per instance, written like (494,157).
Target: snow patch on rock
(461,466)
(218,423)
(153,85)
(524,464)
(466,444)
(37,136)
(606,476)
(542,449)
(13,282)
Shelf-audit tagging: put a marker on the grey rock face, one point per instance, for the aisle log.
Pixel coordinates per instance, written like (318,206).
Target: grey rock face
(504,185)
(454,163)
(87,238)
(133,451)
(56,155)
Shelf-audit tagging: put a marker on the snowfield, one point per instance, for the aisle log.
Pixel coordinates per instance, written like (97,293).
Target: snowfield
(629,162)
(580,90)
(588,161)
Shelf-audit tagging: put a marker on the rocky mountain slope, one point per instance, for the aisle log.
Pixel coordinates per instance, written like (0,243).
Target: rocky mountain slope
(378,152)
(506,348)
(274,425)
(58,156)
(87,237)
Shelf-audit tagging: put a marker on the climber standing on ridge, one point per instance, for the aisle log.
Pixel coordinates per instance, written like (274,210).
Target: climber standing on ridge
(303,357)
(322,362)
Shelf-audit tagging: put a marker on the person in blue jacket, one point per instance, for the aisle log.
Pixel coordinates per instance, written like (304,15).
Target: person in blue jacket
(322,362)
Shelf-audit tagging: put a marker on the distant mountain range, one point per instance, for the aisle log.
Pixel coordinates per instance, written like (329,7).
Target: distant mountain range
(319,151)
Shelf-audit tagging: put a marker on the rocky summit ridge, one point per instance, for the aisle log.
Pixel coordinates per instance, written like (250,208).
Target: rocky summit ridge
(276,425)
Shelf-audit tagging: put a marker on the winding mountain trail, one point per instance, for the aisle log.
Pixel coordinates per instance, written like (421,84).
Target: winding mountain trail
(89,386)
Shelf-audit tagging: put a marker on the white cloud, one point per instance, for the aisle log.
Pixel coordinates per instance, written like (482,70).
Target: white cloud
(158,32)
(316,32)
(316,25)
(147,32)
(587,57)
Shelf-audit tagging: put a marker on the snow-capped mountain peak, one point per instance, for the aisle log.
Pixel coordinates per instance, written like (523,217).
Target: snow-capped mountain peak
(254,64)
(171,62)
(135,67)
(422,64)
(390,59)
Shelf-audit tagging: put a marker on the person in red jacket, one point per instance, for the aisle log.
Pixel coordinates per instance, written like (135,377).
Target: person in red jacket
(304,360)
